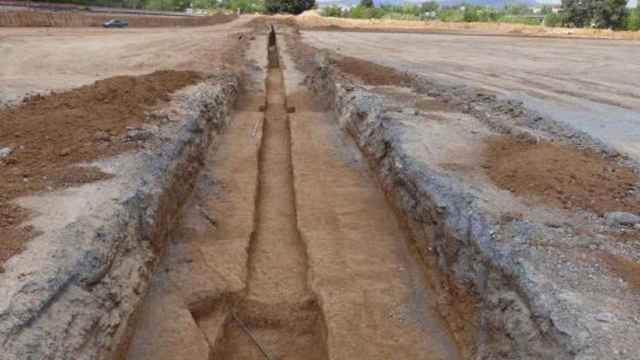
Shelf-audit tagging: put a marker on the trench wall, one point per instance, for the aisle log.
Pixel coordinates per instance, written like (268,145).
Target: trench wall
(80,300)
(480,287)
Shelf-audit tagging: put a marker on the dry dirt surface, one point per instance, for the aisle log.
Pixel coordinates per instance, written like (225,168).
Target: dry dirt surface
(49,134)
(311,20)
(558,175)
(561,176)
(84,19)
(587,85)
(372,74)
(36,60)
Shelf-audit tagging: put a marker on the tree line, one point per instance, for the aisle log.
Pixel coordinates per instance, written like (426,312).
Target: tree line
(604,14)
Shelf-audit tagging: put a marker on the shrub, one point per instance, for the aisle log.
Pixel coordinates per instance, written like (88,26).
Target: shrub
(526,20)
(553,20)
(366,3)
(361,12)
(595,13)
(450,15)
(632,20)
(288,6)
(331,11)
(429,6)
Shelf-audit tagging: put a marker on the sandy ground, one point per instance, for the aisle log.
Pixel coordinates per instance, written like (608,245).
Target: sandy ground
(43,59)
(589,84)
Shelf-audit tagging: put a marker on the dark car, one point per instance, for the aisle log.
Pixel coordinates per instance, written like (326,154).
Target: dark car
(114,23)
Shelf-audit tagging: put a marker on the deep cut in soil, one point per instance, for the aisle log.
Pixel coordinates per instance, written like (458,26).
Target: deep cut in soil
(372,74)
(561,176)
(49,134)
(278,311)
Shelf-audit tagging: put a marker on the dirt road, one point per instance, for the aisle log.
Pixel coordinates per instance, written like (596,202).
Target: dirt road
(589,84)
(44,59)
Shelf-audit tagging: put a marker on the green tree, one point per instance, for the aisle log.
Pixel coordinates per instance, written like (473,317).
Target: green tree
(516,9)
(632,20)
(288,6)
(596,13)
(429,6)
(553,20)
(367,3)
(546,10)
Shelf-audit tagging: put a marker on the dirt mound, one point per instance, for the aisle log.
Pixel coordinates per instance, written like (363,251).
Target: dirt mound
(561,176)
(372,74)
(74,19)
(48,134)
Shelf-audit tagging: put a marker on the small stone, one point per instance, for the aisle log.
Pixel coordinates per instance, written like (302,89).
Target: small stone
(605,317)
(102,136)
(138,134)
(622,218)
(64,152)
(4,152)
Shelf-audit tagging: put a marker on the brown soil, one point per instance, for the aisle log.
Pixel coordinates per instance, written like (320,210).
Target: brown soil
(626,269)
(561,176)
(372,74)
(49,134)
(73,19)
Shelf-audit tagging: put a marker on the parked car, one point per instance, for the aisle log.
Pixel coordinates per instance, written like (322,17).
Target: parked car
(115,23)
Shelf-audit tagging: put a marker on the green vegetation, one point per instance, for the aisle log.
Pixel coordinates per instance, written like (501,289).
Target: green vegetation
(594,13)
(632,20)
(431,10)
(574,13)
(553,20)
(367,3)
(288,6)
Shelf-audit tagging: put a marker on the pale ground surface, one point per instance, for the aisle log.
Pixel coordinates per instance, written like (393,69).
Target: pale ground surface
(312,20)
(590,84)
(43,59)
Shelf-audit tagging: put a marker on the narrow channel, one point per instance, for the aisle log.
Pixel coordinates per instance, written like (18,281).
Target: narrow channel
(279,318)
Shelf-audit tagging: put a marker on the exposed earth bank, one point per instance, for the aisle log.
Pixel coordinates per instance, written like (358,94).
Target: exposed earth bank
(85,19)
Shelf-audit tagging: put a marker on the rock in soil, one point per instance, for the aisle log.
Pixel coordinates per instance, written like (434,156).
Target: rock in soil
(622,218)
(4,152)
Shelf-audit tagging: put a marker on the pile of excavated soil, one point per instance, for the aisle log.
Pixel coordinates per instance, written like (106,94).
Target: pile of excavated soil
(372,74)
(561,176)
(49,134)
(81,19)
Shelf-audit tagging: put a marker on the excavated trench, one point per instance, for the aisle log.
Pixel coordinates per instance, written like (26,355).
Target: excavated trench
(288,249)
(278,318)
